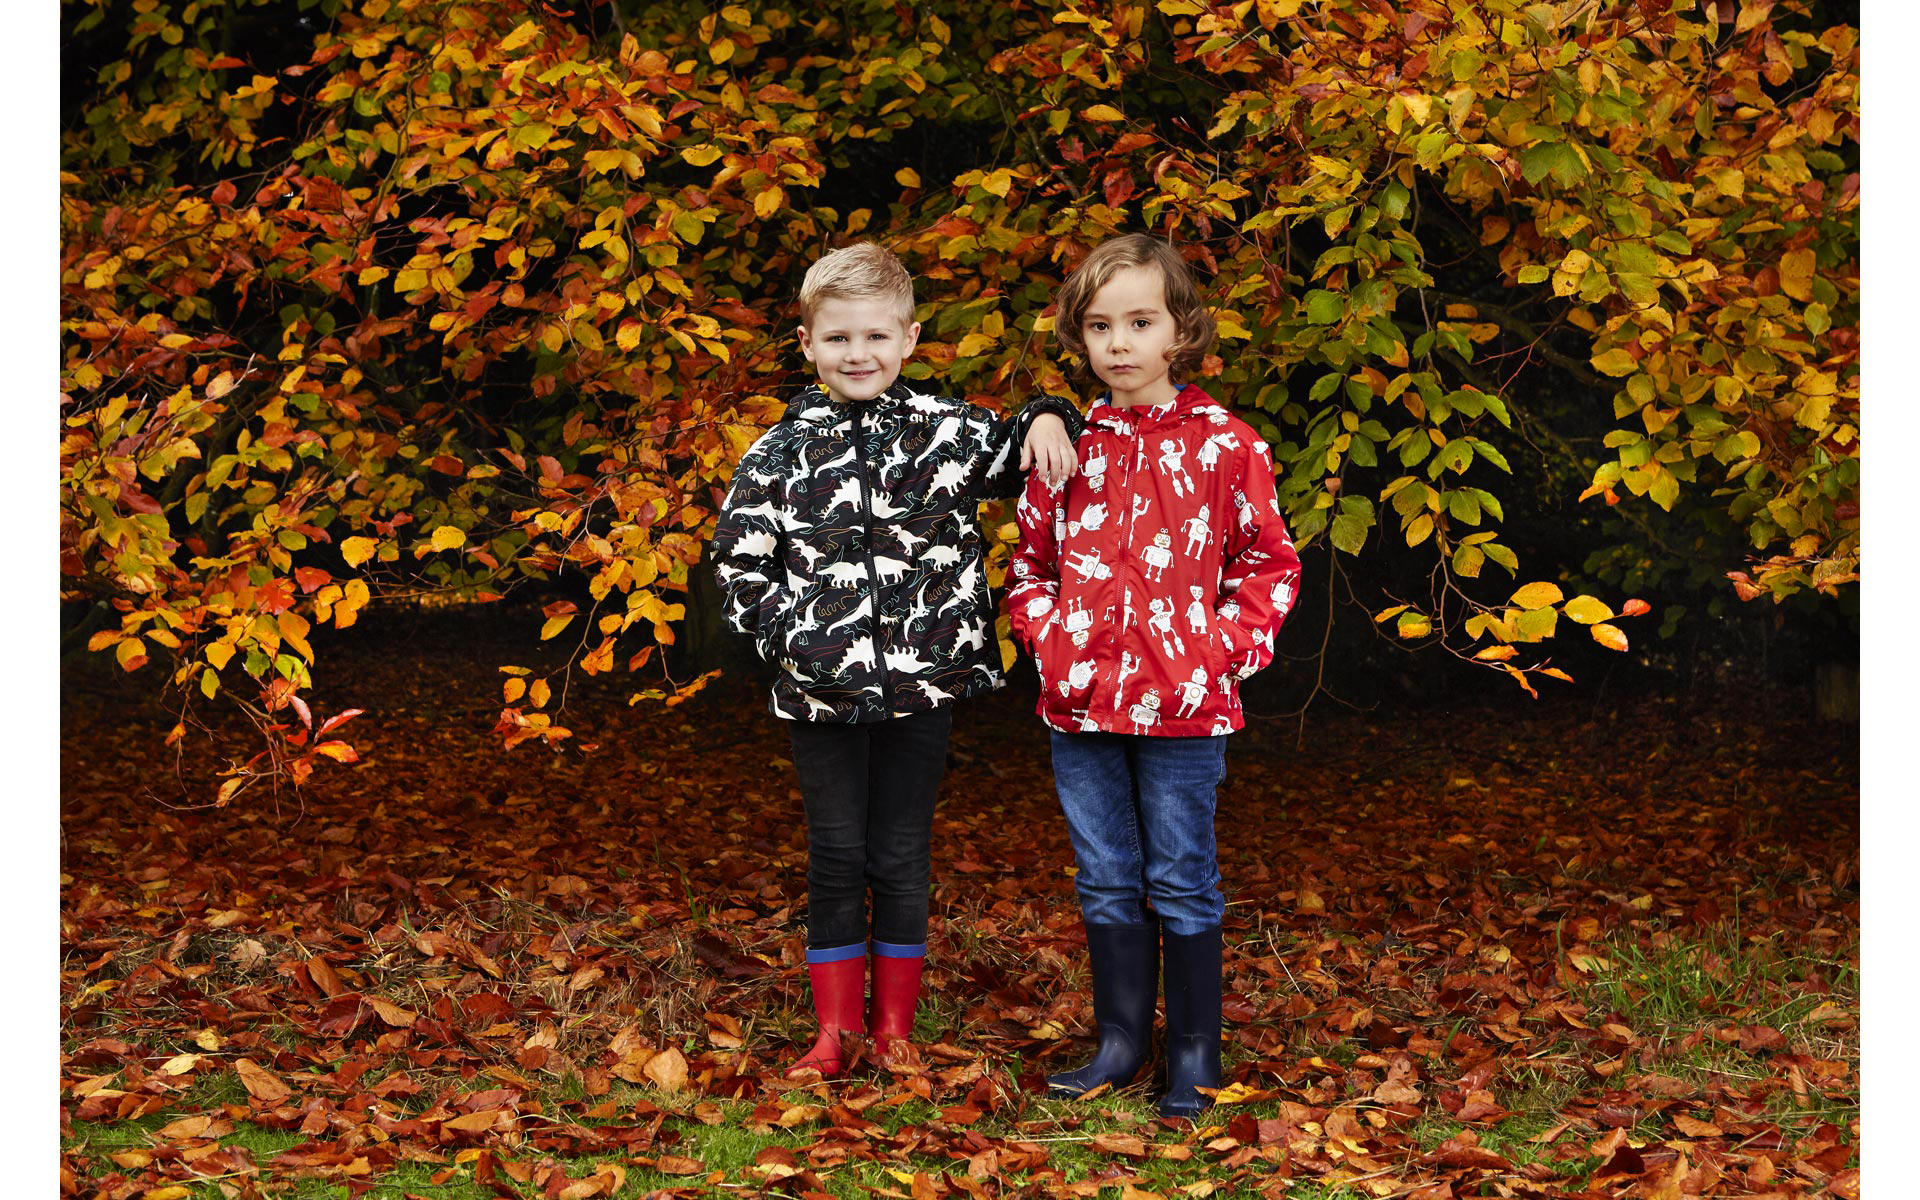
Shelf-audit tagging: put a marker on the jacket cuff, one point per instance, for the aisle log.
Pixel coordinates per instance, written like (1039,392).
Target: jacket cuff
(1057,405)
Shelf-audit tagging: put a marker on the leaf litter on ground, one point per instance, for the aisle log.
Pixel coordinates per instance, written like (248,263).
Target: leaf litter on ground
(1563,952)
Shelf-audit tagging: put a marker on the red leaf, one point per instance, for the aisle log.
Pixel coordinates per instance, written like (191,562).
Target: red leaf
(310,578)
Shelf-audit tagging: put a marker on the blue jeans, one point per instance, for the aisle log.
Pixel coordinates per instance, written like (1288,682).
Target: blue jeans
(1140,812)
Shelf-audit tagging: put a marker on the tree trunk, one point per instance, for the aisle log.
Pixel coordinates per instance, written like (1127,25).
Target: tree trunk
(702,639)
(1836,691)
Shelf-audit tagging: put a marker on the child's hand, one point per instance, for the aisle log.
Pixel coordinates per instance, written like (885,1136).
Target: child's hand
(1049,450)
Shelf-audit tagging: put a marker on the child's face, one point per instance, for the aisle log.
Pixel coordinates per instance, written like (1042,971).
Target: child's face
(1128,332)
(857,346)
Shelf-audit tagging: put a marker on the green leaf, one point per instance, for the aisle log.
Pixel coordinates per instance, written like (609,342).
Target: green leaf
(1537,623)
(1665,490)
(1557,159)
(1324,307)
(1349,533)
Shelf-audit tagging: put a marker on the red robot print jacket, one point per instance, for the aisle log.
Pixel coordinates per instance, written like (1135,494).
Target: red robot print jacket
(1153,582)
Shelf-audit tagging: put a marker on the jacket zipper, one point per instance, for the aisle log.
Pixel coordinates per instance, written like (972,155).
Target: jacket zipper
(873,572)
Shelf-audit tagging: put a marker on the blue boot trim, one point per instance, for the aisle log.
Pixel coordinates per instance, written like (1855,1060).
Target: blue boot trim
(837,953)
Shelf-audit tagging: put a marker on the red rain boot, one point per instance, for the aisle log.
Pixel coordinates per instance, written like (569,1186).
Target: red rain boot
(896,992)
(839,1000)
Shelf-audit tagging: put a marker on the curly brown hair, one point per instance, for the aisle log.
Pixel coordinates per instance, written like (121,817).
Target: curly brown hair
(1109,258)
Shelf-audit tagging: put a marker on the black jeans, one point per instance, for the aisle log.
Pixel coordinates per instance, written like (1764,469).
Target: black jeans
(869,791)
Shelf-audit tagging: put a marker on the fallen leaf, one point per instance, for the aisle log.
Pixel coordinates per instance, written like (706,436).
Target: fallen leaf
(263,1085)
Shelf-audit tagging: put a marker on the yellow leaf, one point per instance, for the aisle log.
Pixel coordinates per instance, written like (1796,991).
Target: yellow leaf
(1796,274)
(1236,1093)
(701,156)
(357,550)
(220,385)
(539,693)
(1537,595)
(1610,637)
(907,177)
(449,537)
(131,654)
(554,626)
(769,201)
(1102,112)
(521,35)
(1587,609)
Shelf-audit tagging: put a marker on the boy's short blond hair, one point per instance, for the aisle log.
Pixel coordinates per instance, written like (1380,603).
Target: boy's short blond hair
(1184,305)
(862,271)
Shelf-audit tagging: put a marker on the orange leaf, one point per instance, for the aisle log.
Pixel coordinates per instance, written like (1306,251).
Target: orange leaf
(1609,636)
(263,1085)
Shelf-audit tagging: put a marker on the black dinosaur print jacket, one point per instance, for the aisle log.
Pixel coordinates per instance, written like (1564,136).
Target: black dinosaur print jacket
(849,549)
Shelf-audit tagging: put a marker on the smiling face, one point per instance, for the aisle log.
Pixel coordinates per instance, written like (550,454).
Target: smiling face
(1128,332)
(857,345)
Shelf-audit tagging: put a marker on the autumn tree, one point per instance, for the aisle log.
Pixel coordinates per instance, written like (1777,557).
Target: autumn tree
(373,299)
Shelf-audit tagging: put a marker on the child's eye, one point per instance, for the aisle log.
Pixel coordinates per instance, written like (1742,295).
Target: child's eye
(1142,323)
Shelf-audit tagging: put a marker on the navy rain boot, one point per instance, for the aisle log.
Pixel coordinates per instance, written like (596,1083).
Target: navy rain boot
(1124,960)
(1193,1021)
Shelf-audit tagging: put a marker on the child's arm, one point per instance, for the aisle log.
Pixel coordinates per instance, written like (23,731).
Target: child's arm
(1004,470)
(747,548)
(1033,574)
(1261,572)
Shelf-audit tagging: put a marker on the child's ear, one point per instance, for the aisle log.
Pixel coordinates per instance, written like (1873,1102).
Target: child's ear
(912,339)
(806,343)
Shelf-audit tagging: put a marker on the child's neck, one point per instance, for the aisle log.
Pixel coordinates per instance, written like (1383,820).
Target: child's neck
(1160,395)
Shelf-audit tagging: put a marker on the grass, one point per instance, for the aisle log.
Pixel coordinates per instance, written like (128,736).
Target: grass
(1683,996)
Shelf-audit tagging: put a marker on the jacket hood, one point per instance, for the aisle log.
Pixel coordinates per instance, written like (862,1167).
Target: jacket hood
(1191,401)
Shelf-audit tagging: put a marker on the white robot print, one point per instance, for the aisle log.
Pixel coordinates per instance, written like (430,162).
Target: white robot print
(1199,532)
(1078,622)
(1087,565)
(1193,693)
(1173,462)
(1197,611)
(1079,675)
(1091,518)
(1158,556)
(1094,470)
(1243,508)
(1129,665)
(1162,623)
(1209,455)
(1146,714)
